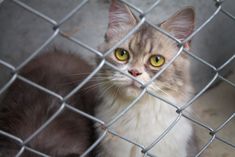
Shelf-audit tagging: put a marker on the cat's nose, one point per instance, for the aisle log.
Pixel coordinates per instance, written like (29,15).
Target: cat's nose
(134,72)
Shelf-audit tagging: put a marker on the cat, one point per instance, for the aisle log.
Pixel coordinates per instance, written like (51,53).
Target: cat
(25,108)
(142,56)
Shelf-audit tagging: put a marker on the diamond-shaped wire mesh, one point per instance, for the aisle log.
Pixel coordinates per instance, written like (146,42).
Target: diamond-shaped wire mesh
(56,24)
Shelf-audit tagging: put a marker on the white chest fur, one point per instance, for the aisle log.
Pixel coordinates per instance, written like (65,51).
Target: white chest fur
(144,123)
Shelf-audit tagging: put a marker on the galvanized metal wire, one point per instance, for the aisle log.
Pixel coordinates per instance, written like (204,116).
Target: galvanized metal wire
(55,25)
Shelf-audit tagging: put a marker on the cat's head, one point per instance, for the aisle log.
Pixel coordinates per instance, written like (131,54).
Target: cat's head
(146,52)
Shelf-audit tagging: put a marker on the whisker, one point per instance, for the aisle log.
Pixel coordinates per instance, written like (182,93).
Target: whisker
(93,79)
(108,88)
(158,88)
(82,74)
(79,74)
(95,85)
(116,93)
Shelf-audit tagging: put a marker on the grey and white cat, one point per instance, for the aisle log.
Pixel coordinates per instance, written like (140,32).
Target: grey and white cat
(142,56)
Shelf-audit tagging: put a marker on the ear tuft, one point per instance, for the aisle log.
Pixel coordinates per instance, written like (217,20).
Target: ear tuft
(181,24)
(120,18)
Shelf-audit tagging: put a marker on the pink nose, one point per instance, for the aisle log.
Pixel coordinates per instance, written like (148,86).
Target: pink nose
(134,72)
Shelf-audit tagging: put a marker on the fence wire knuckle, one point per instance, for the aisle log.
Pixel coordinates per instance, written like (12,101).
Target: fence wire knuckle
(180,110)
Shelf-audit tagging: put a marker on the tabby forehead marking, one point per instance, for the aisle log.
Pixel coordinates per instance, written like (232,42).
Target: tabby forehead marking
(141,42)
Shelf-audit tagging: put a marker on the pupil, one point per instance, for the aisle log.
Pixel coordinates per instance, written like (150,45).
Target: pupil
(123,53)
(157,58)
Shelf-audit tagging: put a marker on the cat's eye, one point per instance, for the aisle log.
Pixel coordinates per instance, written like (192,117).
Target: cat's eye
(121,54)
(156,60)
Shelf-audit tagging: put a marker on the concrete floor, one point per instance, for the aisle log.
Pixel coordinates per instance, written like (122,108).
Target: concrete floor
(214,108)
(21,33)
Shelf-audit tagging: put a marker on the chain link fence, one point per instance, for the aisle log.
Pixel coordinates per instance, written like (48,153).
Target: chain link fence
(212,132)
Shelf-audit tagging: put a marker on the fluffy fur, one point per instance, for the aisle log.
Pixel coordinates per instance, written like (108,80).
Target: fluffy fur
(24,108)
(150,116)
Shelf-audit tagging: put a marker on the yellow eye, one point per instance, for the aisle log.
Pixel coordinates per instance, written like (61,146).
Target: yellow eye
(121,54)
(156,60)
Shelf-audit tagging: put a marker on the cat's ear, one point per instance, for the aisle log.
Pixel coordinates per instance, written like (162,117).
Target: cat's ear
(120,18)
(181,24)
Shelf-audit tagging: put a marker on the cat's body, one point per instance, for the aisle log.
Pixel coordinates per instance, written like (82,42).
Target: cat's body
(24,108)
(142,56)
(144,123)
